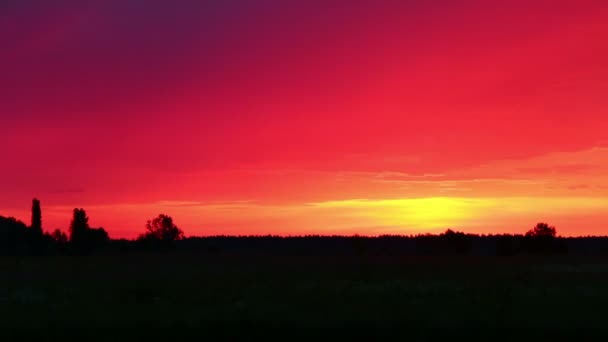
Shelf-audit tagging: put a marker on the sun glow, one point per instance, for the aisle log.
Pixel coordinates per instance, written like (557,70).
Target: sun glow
(415,213)
(438,213)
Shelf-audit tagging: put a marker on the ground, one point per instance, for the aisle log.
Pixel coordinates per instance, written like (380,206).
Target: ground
(145,296)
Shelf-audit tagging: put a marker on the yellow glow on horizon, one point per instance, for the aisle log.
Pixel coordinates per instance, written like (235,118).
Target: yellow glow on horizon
(358,216)
(445,212)
(432,212)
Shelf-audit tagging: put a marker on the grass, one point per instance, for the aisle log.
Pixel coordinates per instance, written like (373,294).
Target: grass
(105,298)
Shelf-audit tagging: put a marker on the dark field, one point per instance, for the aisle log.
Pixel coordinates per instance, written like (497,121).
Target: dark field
(178,296)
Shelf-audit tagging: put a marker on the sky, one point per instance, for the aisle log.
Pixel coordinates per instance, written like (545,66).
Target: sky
(306,117)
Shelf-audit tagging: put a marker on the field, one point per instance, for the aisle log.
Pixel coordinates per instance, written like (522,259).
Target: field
(175,296)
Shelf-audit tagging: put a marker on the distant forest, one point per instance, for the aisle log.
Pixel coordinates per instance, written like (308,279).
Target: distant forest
(162,235)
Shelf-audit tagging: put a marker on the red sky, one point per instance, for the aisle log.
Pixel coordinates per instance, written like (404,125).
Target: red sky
(306,117)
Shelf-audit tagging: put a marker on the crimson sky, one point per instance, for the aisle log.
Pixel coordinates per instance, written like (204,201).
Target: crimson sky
(297,117)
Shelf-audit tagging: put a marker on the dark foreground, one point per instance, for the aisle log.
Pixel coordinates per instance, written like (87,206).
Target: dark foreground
(178,296)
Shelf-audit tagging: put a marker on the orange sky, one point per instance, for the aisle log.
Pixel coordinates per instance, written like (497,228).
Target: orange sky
(313,117)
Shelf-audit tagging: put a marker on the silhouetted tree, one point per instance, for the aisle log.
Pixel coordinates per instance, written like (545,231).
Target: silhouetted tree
(79,227)
(161,233)
(542,229)
(541,239)
(84,239)
(162,228)
(36,226)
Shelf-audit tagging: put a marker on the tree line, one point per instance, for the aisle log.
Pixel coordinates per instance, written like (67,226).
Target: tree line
(18,238)
(162,235)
